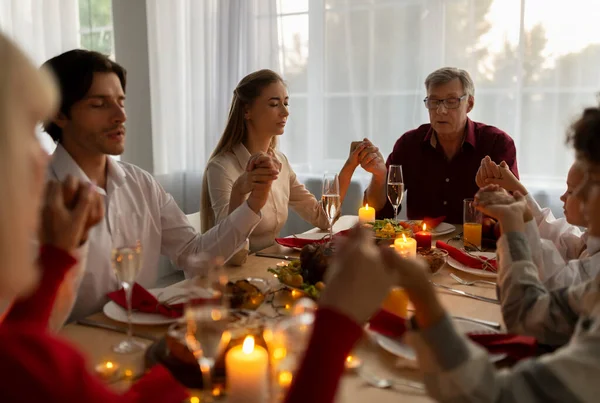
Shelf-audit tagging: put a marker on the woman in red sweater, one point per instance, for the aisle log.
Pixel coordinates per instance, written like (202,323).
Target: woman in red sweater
(35,365)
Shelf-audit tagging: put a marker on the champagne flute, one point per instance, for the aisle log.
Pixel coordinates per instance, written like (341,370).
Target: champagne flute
(395,188)
(126,263)
(330,199)
(207,318)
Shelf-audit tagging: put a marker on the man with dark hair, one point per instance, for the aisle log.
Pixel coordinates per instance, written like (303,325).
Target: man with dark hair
(90,126)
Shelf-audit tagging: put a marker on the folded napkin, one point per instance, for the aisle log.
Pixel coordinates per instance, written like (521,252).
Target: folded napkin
(432,223)
(143,301)
(299,242)
(516,347)
(466,259)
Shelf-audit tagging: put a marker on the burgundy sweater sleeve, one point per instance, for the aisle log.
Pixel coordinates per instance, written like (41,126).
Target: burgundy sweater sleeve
(38,367)
(36,308)
(318,376)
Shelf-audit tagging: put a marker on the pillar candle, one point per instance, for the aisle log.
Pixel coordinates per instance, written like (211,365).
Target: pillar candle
(246,367)
(366,214)
(406,247)
(423,238)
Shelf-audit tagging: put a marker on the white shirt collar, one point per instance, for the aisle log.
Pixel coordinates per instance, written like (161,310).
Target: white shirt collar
(63,164)
(242,154)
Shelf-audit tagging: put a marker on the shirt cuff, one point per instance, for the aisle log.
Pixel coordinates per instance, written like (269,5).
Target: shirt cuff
(446,347)
(536,210)
(512,247)
(244,219)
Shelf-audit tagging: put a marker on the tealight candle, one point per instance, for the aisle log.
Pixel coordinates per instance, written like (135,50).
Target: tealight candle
(247,376)
(366,214)
(107,369)
(406,247)
(423,238)
(352,362)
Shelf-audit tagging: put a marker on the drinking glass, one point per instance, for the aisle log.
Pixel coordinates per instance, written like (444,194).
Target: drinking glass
(331,199)
(207,319)
(126,263)
(471,225)
(395,187)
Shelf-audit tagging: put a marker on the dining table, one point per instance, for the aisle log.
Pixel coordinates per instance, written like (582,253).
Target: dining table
(96,343)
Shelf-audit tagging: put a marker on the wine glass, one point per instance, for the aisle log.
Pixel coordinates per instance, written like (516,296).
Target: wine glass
(207,318)
(331,199)
(126,263)
(395,187)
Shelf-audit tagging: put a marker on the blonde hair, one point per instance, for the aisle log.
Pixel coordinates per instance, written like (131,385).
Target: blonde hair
(247,90)
(26,93)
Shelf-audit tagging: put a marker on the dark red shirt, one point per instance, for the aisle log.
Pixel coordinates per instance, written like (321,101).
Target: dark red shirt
(437,187)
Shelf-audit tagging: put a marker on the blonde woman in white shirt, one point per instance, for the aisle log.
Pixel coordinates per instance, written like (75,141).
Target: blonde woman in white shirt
(258,115)
(564,254)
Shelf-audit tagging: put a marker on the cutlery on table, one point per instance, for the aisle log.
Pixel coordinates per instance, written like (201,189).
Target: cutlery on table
(106,326)
(376,381)
(465,282)
(494,325)
(274,256)
(466,294)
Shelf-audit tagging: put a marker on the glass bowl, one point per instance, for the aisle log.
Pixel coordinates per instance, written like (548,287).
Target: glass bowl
(436,258)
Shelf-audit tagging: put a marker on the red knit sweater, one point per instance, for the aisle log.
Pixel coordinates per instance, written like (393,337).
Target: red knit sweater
(318,376)
(37,366)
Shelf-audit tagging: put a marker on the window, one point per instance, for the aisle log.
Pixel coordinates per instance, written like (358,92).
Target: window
(96,26)
(355,68)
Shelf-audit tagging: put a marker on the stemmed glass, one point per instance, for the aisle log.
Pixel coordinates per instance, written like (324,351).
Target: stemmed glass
(207,318)
(126,263)
(331,198)
(395,187)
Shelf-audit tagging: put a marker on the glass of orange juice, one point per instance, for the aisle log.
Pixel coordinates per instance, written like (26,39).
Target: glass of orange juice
(471,224)
(396,302)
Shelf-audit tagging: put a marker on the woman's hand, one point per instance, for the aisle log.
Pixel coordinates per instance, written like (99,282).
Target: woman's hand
(69,211)
(262,169)
(510,211)
(371,159)
(413,276)
(357,281)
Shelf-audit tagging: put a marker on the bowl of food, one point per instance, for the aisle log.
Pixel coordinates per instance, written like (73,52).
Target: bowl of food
(436,258)
(387,230)
(306,274)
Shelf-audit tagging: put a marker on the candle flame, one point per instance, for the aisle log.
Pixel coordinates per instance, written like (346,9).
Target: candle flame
(424,227)
(248,346)
(404,237)
(285,378)
(194,399)
(367,206)
(109,365)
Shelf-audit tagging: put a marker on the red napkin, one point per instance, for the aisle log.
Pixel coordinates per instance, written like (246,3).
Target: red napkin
(294,242)
(516,347)
(432,223)
(143,301)
(465,259)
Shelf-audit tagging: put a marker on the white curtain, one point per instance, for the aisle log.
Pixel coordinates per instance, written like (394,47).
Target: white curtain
(199,50)
(43,29)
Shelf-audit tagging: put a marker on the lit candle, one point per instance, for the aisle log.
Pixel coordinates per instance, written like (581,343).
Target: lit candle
(406,247)
(352,362)
(366,214)
(423,238)
(246,368)
(107,369)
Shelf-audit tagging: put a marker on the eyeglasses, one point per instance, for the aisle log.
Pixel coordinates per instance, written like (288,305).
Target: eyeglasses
(449,103)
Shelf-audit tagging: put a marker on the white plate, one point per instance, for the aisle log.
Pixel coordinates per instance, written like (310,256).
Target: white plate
(115,312)
(477,272)
(400,349)
(443,229)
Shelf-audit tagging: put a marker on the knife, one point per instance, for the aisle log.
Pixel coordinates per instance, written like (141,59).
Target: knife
(466,294)
(91,323)
(494,325)
(284,257)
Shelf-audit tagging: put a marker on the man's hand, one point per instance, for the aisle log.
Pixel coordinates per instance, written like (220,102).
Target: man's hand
(510,211)
(490,173)
(261,169)
(371,159)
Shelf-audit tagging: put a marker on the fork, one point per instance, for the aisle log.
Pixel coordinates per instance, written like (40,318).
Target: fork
(465,282)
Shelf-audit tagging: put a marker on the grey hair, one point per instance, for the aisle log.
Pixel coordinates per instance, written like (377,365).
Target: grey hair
(447,74)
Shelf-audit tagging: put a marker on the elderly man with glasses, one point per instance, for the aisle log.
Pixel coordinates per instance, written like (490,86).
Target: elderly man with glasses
(440,159)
